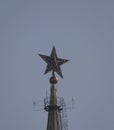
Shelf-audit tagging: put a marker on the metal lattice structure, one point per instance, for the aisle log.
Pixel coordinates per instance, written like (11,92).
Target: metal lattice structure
(62,111)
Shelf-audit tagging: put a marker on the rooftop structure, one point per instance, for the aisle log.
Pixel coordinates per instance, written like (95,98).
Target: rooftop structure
(53,105)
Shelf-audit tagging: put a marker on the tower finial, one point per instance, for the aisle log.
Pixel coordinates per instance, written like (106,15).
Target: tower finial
(53,62)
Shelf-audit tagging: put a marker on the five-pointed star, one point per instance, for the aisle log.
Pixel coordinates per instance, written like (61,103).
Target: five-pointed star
(53,62)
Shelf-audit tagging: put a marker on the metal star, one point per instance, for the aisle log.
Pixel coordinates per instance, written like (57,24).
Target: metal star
(53,62)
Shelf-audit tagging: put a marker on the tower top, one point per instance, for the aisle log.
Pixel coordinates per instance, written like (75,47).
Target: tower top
(53,62)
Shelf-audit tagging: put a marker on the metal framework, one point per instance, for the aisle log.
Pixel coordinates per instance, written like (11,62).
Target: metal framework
(62,111)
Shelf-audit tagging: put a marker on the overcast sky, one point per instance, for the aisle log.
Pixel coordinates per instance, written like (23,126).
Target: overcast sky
(83,32)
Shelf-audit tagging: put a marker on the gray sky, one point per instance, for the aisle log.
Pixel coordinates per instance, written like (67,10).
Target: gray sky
(83,32)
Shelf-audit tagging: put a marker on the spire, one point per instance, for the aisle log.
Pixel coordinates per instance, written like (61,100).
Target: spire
(53,108)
